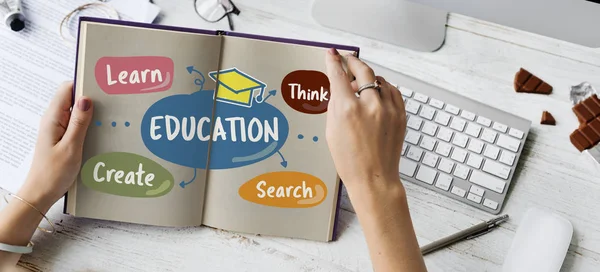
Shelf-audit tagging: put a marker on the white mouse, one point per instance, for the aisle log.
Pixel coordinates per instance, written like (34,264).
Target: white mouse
(540,244)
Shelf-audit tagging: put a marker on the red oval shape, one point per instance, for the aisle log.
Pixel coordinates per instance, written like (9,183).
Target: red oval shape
(306,91)
(134,75)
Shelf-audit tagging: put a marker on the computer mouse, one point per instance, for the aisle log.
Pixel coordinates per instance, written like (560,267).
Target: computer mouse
(540,244)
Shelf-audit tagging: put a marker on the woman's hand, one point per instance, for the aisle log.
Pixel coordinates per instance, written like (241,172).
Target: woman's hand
(365,135)
(58,150)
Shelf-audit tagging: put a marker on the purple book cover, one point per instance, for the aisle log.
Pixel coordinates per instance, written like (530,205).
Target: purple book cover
(226,33)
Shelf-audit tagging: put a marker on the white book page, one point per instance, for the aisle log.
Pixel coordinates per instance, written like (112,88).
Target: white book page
(33,63)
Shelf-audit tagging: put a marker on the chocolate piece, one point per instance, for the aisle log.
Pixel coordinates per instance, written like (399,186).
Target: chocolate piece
(595,125)
(583,114)
(548,119)
(579,141)
(525,82)
(588,109)
(590,134)
(544,88)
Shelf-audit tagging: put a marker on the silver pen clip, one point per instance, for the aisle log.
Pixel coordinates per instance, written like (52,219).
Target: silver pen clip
(480,233)
(491,225)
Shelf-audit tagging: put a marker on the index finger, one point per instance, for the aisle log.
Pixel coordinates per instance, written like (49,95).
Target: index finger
(338,79)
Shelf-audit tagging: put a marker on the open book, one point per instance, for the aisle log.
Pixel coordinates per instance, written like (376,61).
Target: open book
(195,127)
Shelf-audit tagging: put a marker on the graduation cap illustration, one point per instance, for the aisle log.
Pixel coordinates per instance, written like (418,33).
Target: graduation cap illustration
(236,87)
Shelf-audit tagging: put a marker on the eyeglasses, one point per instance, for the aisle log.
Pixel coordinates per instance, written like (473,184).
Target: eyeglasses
(215,10)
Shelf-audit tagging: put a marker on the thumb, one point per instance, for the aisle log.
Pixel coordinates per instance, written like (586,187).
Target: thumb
(81,117)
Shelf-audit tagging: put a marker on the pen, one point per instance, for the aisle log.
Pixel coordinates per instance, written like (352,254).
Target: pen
(14,17)
(472,232)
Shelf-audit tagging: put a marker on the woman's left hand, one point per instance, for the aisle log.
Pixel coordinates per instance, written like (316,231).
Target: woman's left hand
(59,148)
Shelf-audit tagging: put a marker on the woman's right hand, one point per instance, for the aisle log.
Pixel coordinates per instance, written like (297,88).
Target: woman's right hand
(365,134)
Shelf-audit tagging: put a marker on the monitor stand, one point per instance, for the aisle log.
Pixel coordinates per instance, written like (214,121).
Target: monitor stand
(398,22)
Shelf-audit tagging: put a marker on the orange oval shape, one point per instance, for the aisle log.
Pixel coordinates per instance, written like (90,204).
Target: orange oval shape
(284,189)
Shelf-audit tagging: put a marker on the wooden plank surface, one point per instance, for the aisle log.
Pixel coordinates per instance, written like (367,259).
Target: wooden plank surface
(478,60)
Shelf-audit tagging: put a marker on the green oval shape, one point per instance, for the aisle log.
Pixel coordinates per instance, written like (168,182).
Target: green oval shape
(126,174)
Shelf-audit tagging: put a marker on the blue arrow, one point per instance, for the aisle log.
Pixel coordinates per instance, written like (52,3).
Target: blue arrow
(271,93)
(283,161)
(184,183)
(197,81)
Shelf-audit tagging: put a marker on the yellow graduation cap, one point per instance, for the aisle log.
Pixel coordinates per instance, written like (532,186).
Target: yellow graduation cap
(236,87)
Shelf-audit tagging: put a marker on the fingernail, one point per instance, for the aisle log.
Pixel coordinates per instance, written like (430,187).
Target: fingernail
(333,51)
(84,104)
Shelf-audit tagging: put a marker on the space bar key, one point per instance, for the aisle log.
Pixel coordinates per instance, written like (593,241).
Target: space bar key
(488,181)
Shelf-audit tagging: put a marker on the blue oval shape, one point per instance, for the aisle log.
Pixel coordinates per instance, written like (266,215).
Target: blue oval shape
(176,129)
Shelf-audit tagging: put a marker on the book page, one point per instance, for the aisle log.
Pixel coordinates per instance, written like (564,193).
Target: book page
(147,146)
(34,62)
(270,168)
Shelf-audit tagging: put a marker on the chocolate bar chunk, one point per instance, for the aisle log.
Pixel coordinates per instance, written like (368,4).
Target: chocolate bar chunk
(525,82)
(548,119)
(579,141)
(587,109)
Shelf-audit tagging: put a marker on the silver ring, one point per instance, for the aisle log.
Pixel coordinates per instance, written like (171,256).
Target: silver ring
(375,85)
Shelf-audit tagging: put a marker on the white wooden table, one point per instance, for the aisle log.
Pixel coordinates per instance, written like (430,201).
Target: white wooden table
(478,60)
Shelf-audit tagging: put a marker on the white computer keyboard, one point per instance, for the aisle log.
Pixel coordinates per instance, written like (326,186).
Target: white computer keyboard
(457,146)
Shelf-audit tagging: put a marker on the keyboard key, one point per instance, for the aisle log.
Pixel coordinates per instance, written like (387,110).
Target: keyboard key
(490,204)
(515,133)
(468,115)
(443,182)
(412,137)
(442,118)
(421,97)
(509,143)
(428,143)
(474,161)
(412,106)
(452,109)
(429,128)
(459,155)
(476,146)
(404,147)
(446,165)
(476,190)
(407,167)
(427,112)
(436,103)
(482,179)
(406,92)
(458,124)
(500,127)
(473,130)
(460,140)
(473,197)
(414,153)
(445,134)
(443,149)
(507,157)
(414,123)
(484,121)
(426,174)
(496,169)
(430,159)
(458,191)
(491,152)
(489,135)
(461,171)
